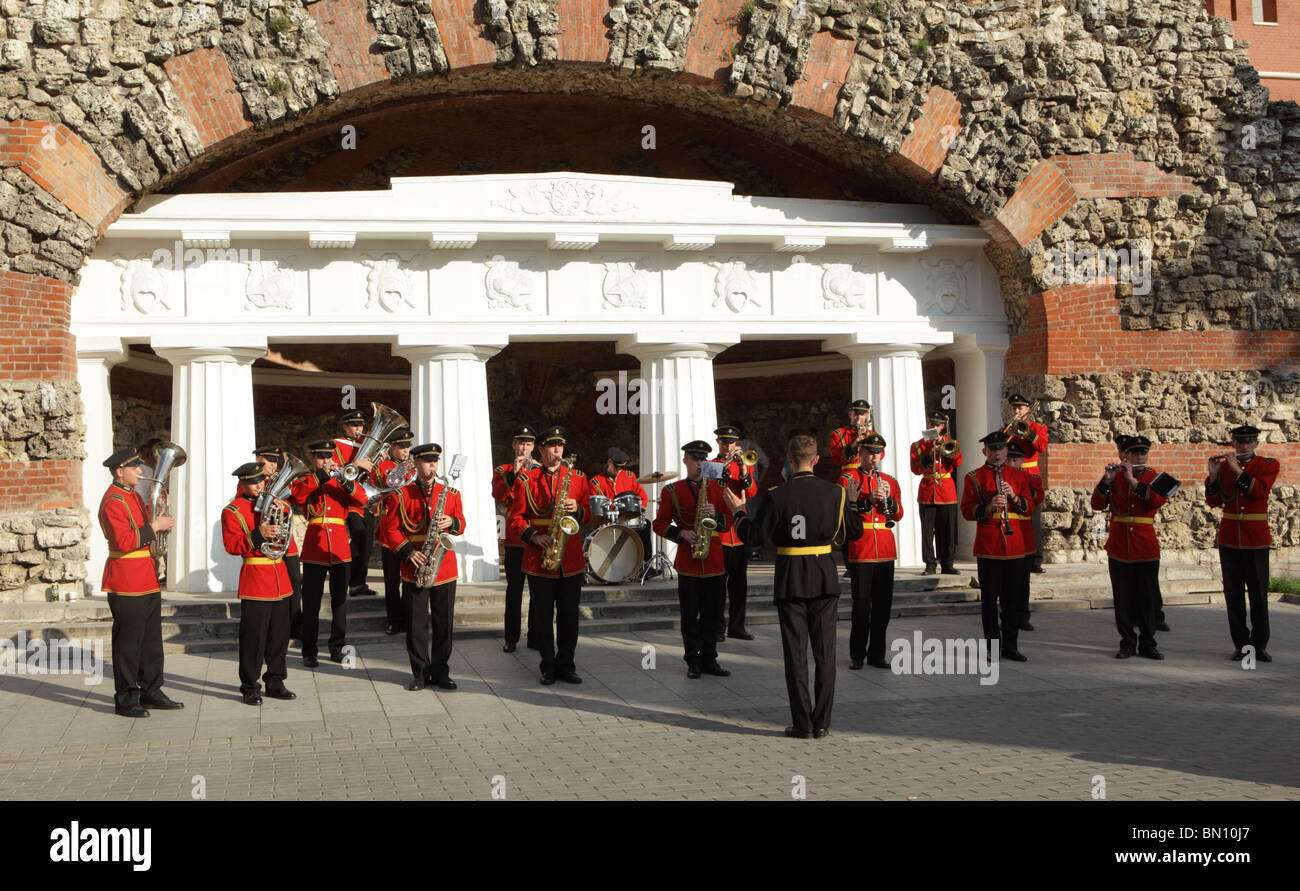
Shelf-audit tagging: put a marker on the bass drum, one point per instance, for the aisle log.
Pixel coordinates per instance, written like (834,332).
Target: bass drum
(614,554)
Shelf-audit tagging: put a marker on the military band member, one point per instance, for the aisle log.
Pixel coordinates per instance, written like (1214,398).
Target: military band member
(617,479)
(265,590)
(936,498)
(1121,446)
(407,525)
(740,480)
(1239,482)
(399,451)
(805,517)
(326,549)
(503,486)
(360,519)
(1025,527)
(1033,446)
(871,557)
(999,549)
(1132,549)
(843,451)
(699,582)
(134,595)
(269,457)
(555,592)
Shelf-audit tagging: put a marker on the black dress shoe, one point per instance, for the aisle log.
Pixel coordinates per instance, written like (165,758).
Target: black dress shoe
(1014,656)
(1237,656)
(722,636)
(715,669)
(879,663)
(797,733)
(742,634)
(1263,656)
(1037,569)
(692,671)
(1152,653)
(310,661)
(1026,625)
(391,630)
(443,683)
(821,732)
(855,664)
(1124,653)
(530,645)
(569,677)
(362,591)
(252,699)
(281,694)
(160,702)
(930,569)
(415,685)
(547,678)
(951,570)
(132,711)
(1162,626)
(336,655)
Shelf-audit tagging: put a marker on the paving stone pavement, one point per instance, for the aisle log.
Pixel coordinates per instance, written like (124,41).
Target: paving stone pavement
(1196,726)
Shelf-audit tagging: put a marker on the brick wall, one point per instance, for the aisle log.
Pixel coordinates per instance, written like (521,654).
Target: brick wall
(61,163)
(463,38)
(816,93)
(582,30)
(34,339)
(925,148)
(715,31)
(203,82)
(1272,47)
(39,485)
(350,32)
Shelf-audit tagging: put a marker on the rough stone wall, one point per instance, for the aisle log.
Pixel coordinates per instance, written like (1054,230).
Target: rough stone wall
(42,549)
(650,35)
(524,30)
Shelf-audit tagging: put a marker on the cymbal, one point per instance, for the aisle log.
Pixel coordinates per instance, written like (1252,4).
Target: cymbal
(658,476)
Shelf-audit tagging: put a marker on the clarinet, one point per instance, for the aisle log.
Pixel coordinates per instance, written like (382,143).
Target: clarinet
(1006,519)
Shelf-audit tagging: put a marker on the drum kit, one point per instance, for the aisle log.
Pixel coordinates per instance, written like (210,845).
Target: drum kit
(613,549)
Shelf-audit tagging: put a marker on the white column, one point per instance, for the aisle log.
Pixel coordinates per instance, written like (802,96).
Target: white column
(212,419)
(889,377)
(95,359)
(979,368)
(449,406)
(677,404)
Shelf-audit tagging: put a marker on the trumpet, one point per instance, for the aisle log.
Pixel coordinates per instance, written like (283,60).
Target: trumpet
(748,457)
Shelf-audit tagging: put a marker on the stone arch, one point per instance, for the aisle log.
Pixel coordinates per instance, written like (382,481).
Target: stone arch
(1051,125)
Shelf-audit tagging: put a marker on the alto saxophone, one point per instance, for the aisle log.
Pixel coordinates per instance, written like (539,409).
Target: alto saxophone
(704,524)
(436,544)
(562,525)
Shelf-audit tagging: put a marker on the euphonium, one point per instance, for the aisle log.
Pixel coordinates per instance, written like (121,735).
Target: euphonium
(399,477)
(163,457)
(562,525)
(386,421)
(267,505)
(704,524)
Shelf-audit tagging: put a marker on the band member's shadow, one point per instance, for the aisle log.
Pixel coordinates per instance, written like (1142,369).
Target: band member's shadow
(637,712)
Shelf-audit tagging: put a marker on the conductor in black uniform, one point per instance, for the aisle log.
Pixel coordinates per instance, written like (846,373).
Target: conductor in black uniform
(805,518)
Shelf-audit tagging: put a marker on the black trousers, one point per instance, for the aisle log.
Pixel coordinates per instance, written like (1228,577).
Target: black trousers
(293,566)
(425,607)
(938,534)
(313,588)
(1002,584)
(803,621)
(1036,558)
(1246,569)
(555,599)
(736,563)
(361,533)
(873,598)
(1022,602)
(1135,587)
(263,640)
(515,595)
(393,588)
(137,647)
(700,601)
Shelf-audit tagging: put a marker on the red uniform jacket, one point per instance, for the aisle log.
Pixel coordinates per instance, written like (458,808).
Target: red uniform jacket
(841,437)
(1132,509)
(1033,445)
(326,505)
(344,451)
(677,508)
(293,544)
(261,577)
(981,486)
(405,527)
(124,517)
(503,487)
(1244,500)
(733,474)
(877,542)
(937,483)
(624,481)
(531,504)
(378,479)
(1026,528)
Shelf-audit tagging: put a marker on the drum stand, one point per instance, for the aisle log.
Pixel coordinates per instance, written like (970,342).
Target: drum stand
(658,560)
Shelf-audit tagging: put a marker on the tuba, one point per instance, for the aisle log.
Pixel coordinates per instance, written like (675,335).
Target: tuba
(163,456)
(266,505)
(384,424)
(399,477)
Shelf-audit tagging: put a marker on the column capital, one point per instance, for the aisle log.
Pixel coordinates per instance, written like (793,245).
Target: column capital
(109,350)
(427,352)
(970,346)
(238,355)
(881,350)
(647,350)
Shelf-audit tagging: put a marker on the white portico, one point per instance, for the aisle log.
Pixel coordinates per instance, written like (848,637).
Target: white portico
(450,270)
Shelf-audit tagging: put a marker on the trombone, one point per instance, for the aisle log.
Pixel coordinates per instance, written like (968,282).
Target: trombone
(949,447)
(1018,428)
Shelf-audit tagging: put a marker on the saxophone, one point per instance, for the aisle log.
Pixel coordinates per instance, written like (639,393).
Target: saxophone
(562,525)
(436,544)
(704,524)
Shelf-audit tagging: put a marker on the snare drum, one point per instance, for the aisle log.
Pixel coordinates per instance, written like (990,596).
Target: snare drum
(614,553)
(628,506)
(600,509)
